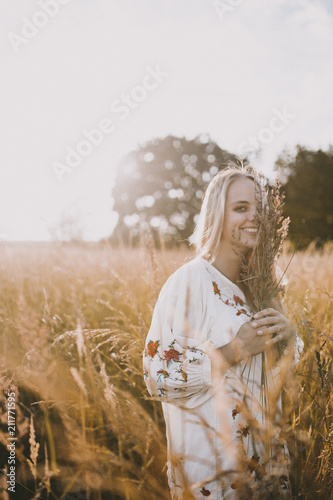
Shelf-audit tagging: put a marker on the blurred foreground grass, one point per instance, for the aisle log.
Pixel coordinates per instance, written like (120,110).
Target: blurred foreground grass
(73,323)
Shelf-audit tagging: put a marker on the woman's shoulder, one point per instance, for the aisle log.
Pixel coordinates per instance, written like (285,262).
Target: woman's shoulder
(194,268)
(189,274)
(187,287)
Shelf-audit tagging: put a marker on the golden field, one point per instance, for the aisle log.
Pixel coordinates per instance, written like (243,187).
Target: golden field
(73,323)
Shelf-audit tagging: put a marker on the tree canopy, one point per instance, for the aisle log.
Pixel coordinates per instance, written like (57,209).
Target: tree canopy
(163,182)
(307,178)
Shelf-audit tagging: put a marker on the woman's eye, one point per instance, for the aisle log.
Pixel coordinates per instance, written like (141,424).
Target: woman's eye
(240,209)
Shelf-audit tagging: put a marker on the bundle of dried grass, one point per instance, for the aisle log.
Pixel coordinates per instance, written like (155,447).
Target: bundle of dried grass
(258,273)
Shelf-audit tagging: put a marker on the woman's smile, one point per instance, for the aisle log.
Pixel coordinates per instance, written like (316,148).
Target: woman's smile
(250,230)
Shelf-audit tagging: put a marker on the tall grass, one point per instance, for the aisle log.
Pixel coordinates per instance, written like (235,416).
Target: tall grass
(73,324)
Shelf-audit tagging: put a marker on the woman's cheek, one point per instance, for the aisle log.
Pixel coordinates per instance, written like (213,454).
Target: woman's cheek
(235,233)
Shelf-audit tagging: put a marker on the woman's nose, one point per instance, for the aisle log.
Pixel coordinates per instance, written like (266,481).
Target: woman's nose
(252,215)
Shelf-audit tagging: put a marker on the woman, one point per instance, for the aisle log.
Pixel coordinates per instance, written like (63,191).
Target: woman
(203,359)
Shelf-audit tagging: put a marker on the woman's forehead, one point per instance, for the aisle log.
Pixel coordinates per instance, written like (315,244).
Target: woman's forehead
(242,189)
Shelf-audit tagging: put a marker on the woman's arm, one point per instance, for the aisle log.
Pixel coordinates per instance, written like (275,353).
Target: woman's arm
(176,360)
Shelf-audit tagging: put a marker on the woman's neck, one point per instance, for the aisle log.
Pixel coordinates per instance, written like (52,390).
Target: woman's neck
(228,264)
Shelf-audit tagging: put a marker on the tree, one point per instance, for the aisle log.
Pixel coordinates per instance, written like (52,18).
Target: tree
(308,184)
(162,183)
(70,225)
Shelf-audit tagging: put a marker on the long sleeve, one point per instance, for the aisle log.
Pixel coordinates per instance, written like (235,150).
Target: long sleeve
(177,367)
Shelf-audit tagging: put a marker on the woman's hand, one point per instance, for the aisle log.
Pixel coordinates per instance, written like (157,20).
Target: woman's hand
(272,324)
(267,328)
(247,343)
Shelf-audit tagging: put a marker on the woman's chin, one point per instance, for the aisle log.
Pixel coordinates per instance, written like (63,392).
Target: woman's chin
(251,242)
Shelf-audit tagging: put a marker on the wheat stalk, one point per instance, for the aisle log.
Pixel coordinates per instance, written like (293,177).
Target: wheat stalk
(34,448)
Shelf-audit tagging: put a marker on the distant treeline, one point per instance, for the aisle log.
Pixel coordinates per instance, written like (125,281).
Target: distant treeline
(160,185)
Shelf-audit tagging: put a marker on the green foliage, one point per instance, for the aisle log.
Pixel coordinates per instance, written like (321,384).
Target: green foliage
(308,186)
(162,183)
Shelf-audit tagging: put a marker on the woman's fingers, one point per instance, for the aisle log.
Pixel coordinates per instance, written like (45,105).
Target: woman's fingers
(274,340)
(278,329)
(266,312)
(275,333)
(266,328)
(267,320)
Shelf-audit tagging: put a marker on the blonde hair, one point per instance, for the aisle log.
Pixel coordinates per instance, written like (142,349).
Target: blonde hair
(207,234)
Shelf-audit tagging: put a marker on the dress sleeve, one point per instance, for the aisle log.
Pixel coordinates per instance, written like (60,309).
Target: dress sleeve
(177,367)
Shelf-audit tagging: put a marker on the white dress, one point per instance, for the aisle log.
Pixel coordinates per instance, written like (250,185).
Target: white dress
(215,425)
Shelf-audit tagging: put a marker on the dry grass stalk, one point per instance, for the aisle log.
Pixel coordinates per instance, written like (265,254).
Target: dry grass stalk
(34,448)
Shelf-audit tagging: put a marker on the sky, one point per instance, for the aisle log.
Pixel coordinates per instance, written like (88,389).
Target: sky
(85,81)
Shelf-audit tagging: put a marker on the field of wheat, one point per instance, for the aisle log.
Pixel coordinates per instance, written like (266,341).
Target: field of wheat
(73,324)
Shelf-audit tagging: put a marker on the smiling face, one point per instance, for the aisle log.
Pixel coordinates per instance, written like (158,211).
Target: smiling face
(239,226)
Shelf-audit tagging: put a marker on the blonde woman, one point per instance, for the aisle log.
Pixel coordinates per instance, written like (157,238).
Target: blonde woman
(203,359)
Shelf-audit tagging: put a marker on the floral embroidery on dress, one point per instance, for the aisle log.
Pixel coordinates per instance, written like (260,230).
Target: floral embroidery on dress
(182,374)
(237,301)
(162,373)
(162,391)
(235,411)
(151,349)
(243,430)
(170,355)
(254,466)
(216,289)
(205,492)
(243,311)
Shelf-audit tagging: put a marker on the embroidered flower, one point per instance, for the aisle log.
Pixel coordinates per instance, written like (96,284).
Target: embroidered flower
(204,492)
(216,289)
(242,311)
(170,355)
(235,411)
(238,300)
(184,375)
(151,349)
(244,430)
(255,467)
(253,463)
(162,373)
